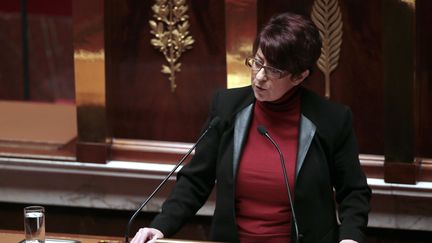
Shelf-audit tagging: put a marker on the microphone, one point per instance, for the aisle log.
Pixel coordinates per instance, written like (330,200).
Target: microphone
(263,131)
(213,123)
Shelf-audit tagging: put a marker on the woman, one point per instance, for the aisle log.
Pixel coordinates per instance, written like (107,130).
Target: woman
(316,139)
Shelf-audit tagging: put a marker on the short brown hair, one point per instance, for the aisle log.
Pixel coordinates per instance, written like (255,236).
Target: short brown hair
(289,42)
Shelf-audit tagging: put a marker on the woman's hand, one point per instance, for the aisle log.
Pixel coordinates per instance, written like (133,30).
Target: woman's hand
(147,235)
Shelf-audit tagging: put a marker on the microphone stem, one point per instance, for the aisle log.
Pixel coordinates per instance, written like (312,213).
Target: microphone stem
(287,186)
(160,186)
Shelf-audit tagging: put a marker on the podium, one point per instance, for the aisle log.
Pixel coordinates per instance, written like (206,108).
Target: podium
(14,236)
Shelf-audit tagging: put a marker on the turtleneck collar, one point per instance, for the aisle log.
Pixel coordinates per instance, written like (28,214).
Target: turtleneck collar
(284,103)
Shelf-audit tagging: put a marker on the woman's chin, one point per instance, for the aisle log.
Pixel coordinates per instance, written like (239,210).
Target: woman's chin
(260,97)
(260,94)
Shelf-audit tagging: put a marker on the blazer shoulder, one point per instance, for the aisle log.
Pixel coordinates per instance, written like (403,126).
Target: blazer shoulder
(327,115)
(235,93)
(229,101)
(316,106)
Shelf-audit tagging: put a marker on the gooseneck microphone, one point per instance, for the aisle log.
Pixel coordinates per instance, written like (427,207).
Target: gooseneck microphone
(213,123)
(263,131)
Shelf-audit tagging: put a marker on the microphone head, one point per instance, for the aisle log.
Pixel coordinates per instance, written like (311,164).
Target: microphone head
(262,130)
(214,122)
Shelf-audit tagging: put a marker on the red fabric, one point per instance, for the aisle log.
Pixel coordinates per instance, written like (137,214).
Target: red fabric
(263,211)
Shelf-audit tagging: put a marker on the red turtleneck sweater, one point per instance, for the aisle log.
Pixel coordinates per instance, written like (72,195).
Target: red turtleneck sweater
(263,211)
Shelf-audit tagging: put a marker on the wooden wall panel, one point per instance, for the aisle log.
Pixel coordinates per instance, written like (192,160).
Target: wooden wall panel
(90,80)
(423,88)
(240,31)
(50,60)
(358,81)
(141,106)
(140,103)
(399,65)
(11,68)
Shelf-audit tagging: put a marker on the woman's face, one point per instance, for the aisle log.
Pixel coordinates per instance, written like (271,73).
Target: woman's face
(266,89)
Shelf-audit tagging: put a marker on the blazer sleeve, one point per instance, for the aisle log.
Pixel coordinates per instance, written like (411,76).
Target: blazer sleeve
(194,184)
(352,192)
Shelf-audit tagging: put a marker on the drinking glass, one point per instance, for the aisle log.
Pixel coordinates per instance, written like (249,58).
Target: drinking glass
(34,224)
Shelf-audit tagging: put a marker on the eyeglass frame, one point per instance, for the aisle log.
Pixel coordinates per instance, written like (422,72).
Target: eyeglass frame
(273,70)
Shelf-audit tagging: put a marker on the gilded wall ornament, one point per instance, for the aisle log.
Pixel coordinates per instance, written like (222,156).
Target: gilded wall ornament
(327,17)
(170,28)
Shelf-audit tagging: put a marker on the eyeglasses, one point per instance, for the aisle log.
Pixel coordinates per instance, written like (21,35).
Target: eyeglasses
(271,72)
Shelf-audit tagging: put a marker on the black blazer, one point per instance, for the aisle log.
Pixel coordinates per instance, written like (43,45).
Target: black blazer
(328,171)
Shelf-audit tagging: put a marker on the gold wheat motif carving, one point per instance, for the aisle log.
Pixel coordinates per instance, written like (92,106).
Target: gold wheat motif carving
(170,28)
(327,17)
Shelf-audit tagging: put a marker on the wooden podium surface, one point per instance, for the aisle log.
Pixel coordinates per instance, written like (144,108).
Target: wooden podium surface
(13,236)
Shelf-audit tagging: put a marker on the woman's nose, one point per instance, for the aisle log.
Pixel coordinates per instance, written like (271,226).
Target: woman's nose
(260,75)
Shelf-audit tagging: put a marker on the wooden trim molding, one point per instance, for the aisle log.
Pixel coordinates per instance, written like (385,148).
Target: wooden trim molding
(91,152)
(148,150)
(399,172)
(393,172)
(372,165)
(425,170)
(169,152)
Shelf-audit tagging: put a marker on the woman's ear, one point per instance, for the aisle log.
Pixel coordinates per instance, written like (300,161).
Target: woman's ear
(300,77)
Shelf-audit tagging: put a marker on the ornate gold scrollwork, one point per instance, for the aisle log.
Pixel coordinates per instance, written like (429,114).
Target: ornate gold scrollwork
(327,17)
(170,28)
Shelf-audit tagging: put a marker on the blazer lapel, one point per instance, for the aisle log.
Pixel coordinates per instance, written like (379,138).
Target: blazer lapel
(241,127)
(306,134)
(242,121)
